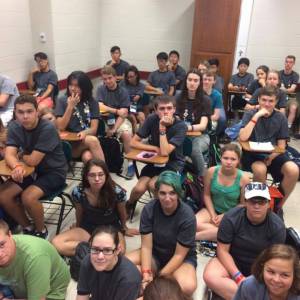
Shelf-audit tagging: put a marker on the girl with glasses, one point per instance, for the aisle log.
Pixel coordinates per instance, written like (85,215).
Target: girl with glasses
(105,273)
(98,201)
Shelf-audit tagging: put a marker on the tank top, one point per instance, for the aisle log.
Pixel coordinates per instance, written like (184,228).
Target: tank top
(225,197)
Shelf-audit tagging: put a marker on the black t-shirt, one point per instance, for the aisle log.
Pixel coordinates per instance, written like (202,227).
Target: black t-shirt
(175,135)
(180,74)
(247,240)
(190,115)
(43,138)
(167,231)
(117,98)
(121,283)
(281,102)
(83,113)
(270,129)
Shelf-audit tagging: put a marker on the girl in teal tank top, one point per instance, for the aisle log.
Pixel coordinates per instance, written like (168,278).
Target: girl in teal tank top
(225,197)
(223,190)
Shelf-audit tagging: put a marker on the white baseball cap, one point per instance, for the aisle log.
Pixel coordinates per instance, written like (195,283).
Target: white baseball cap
(257,189)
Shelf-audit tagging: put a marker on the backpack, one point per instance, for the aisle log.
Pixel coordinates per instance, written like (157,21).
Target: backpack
(294,155)
(113,153)
(81,251)
(194,191)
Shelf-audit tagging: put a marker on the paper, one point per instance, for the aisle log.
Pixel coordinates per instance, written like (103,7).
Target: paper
(267,146)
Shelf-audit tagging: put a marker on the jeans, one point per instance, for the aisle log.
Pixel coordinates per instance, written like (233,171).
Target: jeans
(222,122)
(200,146)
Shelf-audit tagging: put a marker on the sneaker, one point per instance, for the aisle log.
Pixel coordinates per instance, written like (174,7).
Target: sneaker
(28,231)
(297,136)
(41,234)
(130,172)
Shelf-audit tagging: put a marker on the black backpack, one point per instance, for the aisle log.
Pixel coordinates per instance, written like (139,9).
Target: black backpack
(194,191)
(81,251)
(113,153)
(294,155)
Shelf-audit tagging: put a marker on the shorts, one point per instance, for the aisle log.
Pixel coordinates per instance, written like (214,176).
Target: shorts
(48,102)
(91,227)
(190,259)
(49,183)
(125,126)
(294,101)
(151,170)
(238,102)
(248,158)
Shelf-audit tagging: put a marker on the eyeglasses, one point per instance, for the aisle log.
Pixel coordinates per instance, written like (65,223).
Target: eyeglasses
(94,175)
(256,186)
(105,251)
(260,202)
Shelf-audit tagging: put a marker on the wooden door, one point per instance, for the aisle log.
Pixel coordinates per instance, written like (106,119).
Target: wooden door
(215,32)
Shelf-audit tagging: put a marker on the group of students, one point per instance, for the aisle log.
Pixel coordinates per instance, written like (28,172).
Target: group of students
(236,212)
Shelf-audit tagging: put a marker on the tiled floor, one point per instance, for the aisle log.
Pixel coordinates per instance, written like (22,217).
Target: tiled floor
(291,216)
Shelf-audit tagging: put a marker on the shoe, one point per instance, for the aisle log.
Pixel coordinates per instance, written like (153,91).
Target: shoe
(130,172)
(28,231)
(297,136)
(41,234)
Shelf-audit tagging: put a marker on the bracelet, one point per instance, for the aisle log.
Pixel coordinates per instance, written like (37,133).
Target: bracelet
(253,121)
(148,271)
(161,132)
(239,278)
(236,274)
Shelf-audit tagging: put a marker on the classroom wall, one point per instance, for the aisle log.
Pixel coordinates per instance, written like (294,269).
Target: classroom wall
(76,34)
(80,33)
(142,28)
(15,39)
(274,33)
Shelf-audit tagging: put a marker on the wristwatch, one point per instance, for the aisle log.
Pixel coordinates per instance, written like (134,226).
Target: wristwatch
(162,132)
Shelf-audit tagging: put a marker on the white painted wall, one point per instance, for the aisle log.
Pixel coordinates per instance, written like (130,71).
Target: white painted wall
(142,28)
(76,35)
(15,39)
(274,32)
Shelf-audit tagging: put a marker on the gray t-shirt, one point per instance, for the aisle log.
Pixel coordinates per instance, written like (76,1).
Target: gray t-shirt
(7,86)
(43,79)
(238,80)
(120,68)
(175,136)
(43,138)
(163,80)
(247,240)
(219,84)
(180,74)
(168,230)
(121,283)
(270,129)
(133,90)
(288,79)
(83,114)
(281,102)
(117,98)
(252,289)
